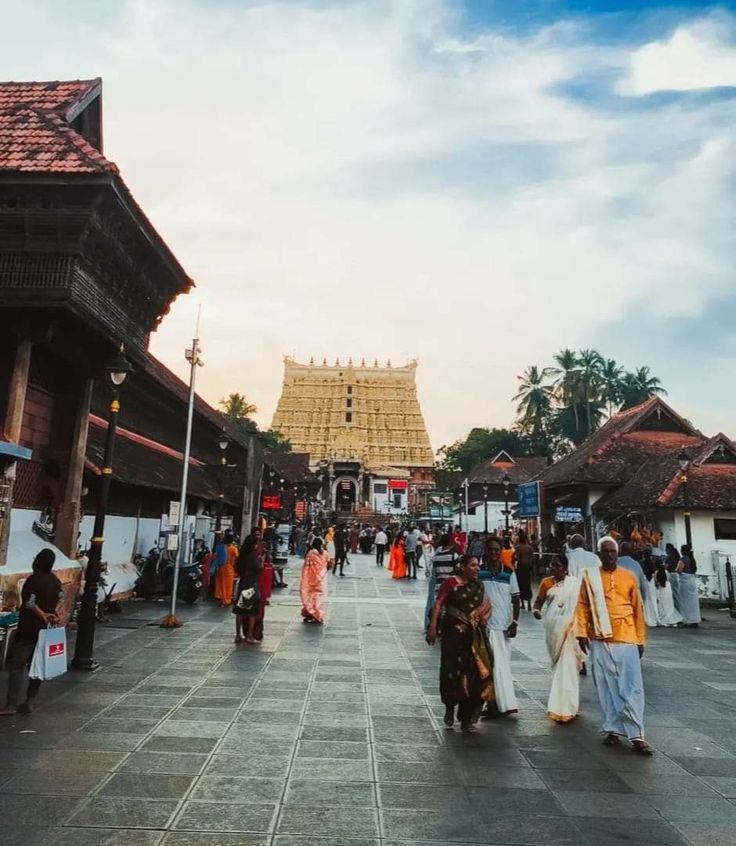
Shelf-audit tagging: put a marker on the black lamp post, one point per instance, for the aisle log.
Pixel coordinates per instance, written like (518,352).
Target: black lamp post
(485,508)
(222,442)
(683,459)
(506,485)
(116,371)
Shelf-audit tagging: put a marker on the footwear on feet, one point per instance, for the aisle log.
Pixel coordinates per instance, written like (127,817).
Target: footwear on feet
(611,740)
(26,707)
(8,711)
(641,747)
(238,639)
(449,718)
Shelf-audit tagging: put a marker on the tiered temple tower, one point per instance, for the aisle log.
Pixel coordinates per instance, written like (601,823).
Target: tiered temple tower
(361,423)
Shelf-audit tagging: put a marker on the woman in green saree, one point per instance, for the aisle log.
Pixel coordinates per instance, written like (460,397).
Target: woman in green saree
(466,669)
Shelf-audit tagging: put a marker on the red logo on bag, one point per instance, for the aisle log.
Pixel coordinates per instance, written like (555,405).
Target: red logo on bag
(56,649)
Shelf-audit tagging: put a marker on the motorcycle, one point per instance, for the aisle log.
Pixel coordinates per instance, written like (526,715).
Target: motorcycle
(156,577)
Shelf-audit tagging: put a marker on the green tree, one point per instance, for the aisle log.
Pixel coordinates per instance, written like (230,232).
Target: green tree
(534,403)
(236,407)
(637,386)
(274,441)
(566,380)
(611,375)
(481,444)
(590,364)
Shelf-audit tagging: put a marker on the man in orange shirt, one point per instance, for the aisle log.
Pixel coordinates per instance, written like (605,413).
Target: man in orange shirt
(611,629)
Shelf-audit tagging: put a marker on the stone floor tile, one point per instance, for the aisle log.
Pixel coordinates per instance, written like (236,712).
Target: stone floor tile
(204,838)
(334,750)
(163,762)
(309,820)
(580,803)
(165,743)
(325,769)
(598,831)
(248,791)
(725,785)
(694,809)
(708,766)
(597,781)
(146,785)
(707,834)
(222,816)
(417,773)
(52,782)
(315,792)
(103,837)
(426,824)
(28,810)
(672,785)
(116,812)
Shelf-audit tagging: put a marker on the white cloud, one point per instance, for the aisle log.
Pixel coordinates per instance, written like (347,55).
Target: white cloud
(364,180)
(695,56)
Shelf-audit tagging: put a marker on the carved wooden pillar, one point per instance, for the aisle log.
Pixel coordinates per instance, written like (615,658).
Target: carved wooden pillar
(69,511)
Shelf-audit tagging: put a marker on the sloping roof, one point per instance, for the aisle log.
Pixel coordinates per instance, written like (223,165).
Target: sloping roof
(293,466)
(35,133)
(143,466)
(523,469)
(623,444)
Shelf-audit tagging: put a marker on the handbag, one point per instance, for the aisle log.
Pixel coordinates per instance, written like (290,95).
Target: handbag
(49,656)
(247,600)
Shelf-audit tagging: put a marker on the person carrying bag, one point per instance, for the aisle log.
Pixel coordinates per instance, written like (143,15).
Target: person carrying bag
(40,598)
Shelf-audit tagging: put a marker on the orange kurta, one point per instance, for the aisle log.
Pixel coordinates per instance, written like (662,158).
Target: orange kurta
(507,558)
(225,577)
(624,605)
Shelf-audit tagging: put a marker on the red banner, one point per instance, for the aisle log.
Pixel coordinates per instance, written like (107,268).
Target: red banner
(397,485)
(271,502)
(300,509)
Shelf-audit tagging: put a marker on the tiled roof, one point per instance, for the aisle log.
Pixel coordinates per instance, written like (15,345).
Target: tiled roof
(523,469)
(293,466)
(35,131)
(610,455)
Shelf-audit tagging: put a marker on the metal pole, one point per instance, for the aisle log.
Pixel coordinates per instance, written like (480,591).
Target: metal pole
(506,511)
(220,498)
(192,356)
(688,528)
(485,513)
(729,588)
(88,610)
(467,509)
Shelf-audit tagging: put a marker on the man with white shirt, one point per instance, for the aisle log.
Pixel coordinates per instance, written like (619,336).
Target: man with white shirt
(579,559)
(381,541)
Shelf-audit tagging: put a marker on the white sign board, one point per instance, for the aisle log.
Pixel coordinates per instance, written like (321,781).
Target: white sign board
(174,509)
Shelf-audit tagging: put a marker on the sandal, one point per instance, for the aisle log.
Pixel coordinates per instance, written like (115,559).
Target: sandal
(641,747)
(238,639)
(611,740)
(449,718)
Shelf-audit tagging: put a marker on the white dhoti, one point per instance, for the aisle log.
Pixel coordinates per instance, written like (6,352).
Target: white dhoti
(651,617)
(668,614)
(689,602)
(564,653)
(503,681)
(674,580)
(616,670)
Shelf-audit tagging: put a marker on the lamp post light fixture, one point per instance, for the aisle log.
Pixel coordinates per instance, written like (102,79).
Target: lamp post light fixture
(485,508)
(683,459)
(117,371)
(223,442)
(506,487)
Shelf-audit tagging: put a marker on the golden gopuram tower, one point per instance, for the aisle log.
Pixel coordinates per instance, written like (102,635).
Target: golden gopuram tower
(363,429)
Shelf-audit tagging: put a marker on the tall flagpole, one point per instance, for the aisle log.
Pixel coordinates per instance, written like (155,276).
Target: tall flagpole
(193,357)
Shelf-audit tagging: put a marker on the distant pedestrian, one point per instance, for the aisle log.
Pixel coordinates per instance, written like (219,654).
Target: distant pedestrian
(312,583)
(396,561)
(667,614)
(226,554)
(40,597)
(524,562)
(628,562)
(411,541)
(248,567)
(671,563)
(341,549)
(381,541)
(689,601)
(444,559)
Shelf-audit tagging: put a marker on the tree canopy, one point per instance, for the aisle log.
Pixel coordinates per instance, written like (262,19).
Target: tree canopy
(236,408)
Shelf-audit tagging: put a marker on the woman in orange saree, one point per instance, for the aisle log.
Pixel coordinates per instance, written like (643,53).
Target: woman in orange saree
(225,556)
(312,583)
(397,563)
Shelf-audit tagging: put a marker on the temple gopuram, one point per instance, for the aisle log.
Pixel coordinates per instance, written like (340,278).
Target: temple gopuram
(364,431)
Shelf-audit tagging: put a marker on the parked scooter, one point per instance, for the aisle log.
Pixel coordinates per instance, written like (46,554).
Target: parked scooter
(156,577)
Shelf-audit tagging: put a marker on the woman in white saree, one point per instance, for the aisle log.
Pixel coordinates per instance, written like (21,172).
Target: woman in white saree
(559,596)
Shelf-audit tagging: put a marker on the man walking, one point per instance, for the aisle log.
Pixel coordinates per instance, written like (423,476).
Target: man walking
(381,541)
(628,562)
(502,588)
(610,628)
(410,553)
(441,568)
(579,559)
(341,549)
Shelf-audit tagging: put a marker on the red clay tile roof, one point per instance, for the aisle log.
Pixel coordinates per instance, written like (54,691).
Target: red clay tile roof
(35,134)
(611,455)
(523,469)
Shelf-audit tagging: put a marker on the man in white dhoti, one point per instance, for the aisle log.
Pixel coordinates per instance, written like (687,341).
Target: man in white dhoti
(502,589)
(579,559)
(611,629)
(688,593)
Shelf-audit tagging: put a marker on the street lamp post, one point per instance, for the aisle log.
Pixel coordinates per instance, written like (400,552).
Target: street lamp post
(223,443)
(683,459)
(506,485)
(117,370)
(485,508)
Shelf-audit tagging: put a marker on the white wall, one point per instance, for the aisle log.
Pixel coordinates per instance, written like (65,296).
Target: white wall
(24,544)
(710,575)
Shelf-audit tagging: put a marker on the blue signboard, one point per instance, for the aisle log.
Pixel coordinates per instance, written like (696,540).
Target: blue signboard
(529,495)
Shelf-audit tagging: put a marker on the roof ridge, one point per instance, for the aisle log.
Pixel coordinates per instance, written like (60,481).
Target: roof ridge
(75,140)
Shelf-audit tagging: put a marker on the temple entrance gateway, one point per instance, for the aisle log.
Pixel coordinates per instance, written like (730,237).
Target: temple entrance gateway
(344,494)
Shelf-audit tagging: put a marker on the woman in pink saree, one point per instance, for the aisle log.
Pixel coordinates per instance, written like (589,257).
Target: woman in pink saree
(312,584)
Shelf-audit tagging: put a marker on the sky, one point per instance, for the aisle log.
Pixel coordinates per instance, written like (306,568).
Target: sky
(472,184)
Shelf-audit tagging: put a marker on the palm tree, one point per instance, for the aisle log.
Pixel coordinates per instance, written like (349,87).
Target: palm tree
(534,401)
(638,386)
(590,363)
(611,375)
(566,375)
(236,407)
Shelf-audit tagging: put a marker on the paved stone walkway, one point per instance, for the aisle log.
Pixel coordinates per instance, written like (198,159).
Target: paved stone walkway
(332,736)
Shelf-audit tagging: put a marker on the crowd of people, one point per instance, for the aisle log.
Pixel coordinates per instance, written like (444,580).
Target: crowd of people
(595,608)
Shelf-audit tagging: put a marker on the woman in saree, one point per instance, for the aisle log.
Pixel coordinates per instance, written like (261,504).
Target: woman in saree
(249,567)
(396,562)
(312,583)
(466,668)
(226,554)
(558,594)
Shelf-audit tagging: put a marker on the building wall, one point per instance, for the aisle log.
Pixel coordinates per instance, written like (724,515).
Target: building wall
(711,570)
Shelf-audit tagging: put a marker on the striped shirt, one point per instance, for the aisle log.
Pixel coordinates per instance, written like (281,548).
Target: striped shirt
(443,564)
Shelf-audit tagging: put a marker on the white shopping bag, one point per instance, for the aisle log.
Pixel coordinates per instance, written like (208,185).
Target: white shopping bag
(49,656)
